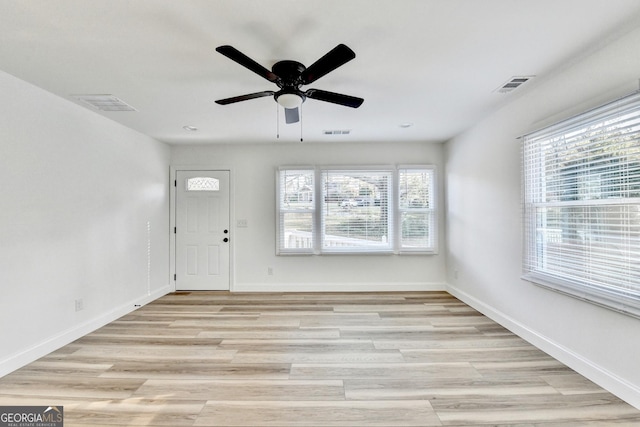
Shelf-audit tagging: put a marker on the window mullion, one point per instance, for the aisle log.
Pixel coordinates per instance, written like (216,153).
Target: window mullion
(397,214)
(319,193)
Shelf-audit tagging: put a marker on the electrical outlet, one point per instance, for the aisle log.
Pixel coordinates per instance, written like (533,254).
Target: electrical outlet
(270,271)
(79,304)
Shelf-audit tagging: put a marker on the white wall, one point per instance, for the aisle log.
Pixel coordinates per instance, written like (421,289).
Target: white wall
(84,216)
(484,223)
(253,181)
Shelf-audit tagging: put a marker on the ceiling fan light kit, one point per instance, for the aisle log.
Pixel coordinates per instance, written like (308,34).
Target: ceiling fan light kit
(289,100)
(289,76)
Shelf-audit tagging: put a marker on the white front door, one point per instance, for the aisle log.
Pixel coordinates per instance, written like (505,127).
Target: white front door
(202,230)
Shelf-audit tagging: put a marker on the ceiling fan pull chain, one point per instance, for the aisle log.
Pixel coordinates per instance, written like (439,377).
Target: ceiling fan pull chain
(300,110)
(277,121)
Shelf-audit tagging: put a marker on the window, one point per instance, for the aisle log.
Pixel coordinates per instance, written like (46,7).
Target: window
(373,210)
(581,194)
(355,211)
(203,183)
(416,207)
(296,211)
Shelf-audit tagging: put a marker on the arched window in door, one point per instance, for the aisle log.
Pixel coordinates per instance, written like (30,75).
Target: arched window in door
(203,183)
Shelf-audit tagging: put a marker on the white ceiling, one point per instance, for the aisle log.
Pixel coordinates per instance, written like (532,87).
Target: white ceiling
(433,63)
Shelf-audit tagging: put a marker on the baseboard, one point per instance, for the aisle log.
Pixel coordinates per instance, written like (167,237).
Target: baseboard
(339,287)
(39,350)
(605,379)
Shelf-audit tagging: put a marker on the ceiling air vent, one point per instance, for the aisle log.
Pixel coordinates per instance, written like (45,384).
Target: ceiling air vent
(337,132)
(105,102)
(513,83)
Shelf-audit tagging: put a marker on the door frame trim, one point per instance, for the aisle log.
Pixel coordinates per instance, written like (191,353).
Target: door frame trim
(173,176)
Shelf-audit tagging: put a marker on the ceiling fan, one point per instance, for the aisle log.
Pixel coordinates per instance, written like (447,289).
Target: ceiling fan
(290,75)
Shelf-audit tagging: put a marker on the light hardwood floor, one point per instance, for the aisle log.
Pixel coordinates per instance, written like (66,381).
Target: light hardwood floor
(366,359)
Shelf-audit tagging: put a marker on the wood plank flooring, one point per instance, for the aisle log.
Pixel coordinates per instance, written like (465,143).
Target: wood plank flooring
(342,359)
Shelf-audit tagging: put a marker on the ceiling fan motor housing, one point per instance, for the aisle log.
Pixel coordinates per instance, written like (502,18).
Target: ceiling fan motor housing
(289,82)
(290,73)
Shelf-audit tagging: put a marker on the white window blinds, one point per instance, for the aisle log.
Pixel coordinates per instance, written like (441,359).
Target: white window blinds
(417,209)
(355,211)
(581,194)
(296,207)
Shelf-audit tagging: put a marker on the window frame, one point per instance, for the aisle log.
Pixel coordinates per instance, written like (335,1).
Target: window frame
(432,211)
(565,187)
(385,171)
(197,186)
(280,214)
(394,212)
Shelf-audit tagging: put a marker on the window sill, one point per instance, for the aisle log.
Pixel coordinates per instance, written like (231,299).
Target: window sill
(365,253)
(622,302)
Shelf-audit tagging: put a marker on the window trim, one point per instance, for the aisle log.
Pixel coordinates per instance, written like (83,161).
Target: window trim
(433,212)
(394,211)
(387,249)
(280,249)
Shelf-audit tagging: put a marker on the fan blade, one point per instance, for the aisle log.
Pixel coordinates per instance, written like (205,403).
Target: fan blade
(336,57)
(244,97)
(336,98)
(291,115)
(242,59)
